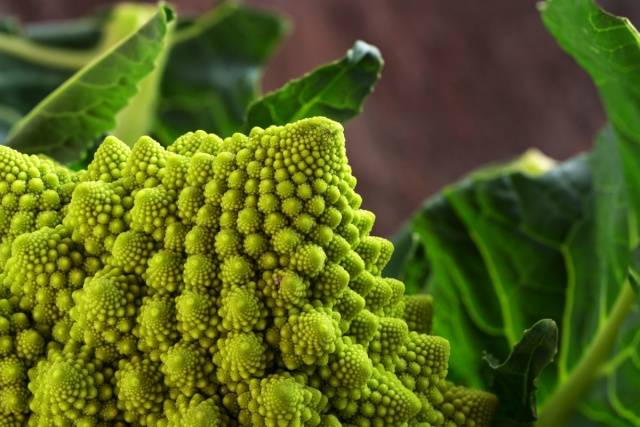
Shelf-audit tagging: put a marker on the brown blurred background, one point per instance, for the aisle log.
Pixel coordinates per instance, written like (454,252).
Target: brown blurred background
(464,83)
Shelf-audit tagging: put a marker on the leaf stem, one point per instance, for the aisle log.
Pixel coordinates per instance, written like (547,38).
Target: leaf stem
(125,19)
(44,55)
(563,401)
(203,23)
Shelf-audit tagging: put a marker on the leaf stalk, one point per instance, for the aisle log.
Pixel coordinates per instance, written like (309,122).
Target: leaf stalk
(562,403)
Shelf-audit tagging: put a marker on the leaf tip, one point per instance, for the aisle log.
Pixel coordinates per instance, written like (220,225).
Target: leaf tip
(361,50)
(547,326)
(168,11)
(541,5)
(545,333)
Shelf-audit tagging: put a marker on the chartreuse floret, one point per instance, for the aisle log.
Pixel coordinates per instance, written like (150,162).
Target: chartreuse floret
(242,309)
(187,369)
(71,389)
(98,213)
(212,283)
(132,250)
(140,391)
(198,141)
(153,210)
(109,160)
(197,317)
(417,312)
(33,193)
(464,407)
(281,400)
(105,312)
(241,356)
(145,162)
(200,273)
(349,367)
(385,401)
(155,328)
(164,272)
(45,267)
(309,338)
(196,412)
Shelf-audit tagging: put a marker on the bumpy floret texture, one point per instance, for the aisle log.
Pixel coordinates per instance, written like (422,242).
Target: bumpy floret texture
(213,283)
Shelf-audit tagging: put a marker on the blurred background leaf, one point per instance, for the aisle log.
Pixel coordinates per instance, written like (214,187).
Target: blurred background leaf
(214,69)
(206,75)
(65,123)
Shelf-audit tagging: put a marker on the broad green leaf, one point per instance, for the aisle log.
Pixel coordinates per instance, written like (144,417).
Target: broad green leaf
(336,90)
(65,124)
(608,48)
(514,380)
(213,70)
(508,249)
(409,258)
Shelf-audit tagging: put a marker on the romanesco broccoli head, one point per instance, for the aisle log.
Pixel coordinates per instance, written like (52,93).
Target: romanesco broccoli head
(216,282)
